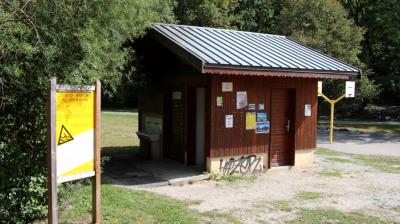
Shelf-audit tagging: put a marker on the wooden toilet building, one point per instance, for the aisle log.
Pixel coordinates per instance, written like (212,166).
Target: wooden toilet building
(233,101)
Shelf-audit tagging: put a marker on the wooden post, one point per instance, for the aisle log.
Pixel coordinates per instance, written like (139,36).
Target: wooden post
(51,147)
(96,179)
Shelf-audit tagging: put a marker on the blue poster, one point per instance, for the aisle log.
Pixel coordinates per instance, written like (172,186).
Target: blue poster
(262,127)
(261,117)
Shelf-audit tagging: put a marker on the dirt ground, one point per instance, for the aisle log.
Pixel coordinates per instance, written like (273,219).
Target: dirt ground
(336,181)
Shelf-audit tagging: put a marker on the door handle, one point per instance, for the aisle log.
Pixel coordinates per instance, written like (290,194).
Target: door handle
(288,126)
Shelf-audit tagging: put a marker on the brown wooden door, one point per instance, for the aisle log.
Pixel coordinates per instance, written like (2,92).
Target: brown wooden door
(174,127)
(282,127)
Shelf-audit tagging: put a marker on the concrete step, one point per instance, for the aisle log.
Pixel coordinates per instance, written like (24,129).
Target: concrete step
(188,180)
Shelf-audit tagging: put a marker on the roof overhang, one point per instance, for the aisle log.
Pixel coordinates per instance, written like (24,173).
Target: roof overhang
(210,69)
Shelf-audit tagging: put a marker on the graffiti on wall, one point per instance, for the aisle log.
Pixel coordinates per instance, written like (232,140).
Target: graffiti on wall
(244,165)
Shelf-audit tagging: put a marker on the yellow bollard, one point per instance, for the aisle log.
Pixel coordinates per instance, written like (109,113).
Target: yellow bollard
(332,103)
(331,123)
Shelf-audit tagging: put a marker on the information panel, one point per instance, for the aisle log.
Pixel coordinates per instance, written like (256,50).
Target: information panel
(75,123)
(350,88)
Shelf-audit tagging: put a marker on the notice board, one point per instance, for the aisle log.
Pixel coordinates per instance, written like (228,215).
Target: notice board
(75,116)
(73,140)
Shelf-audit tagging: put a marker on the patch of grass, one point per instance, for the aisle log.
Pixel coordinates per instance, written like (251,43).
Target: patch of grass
(338,160)
(308,195)
(193,202)
(260,221)
(326,152)
(331,215)
(122,205)
(215,216)
(330,173)
(397,209)
(119,130)
(282,205)
(261,204)
(372,128)
(390,164)
(232,178)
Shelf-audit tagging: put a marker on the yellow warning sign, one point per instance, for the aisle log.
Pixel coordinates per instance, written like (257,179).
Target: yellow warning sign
(75,117)
(65,136)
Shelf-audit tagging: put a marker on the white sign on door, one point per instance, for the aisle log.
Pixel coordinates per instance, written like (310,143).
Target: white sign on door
(350,88)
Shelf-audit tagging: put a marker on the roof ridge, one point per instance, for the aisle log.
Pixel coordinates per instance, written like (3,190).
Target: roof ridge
(213,28)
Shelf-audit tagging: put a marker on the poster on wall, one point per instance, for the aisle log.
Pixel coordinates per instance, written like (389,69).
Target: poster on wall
(250,120)
(227,87)
(220,101)
(260,106)
(261,117)
(307,110)
(252,106)
(241,99)
(262,127)
(229,121)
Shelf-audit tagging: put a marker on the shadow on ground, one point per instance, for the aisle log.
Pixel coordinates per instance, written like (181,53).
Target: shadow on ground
(124,166)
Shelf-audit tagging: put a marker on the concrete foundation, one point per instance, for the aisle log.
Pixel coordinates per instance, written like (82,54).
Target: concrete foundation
(247,164)
(243,164)
(304,158)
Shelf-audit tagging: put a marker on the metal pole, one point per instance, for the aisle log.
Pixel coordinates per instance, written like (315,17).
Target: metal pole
(331,123)
(332,103)
(51,154)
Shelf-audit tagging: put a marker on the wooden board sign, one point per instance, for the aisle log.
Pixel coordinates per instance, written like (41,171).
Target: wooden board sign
(75,113)
(74,140)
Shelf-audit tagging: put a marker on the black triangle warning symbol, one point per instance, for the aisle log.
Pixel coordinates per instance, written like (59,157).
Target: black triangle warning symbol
(65,136)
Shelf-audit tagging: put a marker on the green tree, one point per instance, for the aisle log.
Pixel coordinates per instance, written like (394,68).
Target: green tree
(208,13)
(76,41)
(257,15)
(324,25)
(106,33)
(381,42)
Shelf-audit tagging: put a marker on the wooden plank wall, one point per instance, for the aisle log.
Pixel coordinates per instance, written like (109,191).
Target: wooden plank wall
(239,141)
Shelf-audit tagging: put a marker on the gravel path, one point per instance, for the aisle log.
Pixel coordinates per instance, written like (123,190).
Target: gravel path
(360,143)
(358,188)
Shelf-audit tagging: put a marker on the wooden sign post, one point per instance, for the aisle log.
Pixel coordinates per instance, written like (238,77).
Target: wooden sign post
(73,141)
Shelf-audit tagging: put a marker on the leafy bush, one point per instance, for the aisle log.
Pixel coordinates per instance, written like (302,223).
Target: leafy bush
(76,41)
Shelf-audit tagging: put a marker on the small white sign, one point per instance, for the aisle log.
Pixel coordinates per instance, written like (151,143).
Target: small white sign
(319,91)
(227,87)
(229,121)
(307,110)
(176,95)
(350,88)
